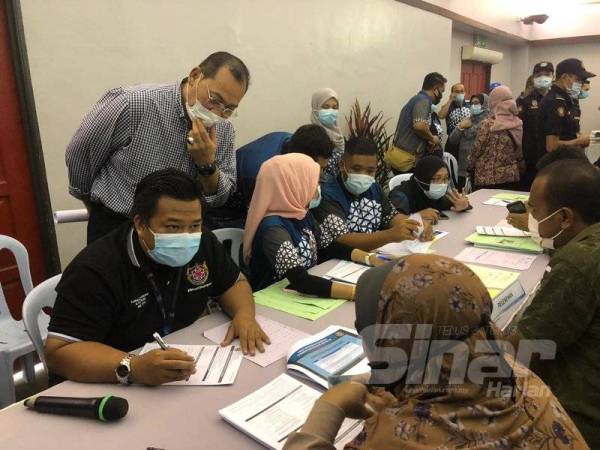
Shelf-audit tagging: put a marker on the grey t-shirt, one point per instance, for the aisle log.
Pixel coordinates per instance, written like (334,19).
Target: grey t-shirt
(418,109)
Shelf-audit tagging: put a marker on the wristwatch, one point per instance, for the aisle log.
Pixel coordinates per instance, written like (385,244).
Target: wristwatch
(123,370)
(207,170)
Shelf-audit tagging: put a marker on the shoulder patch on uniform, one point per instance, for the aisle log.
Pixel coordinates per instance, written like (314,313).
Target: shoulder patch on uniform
(560,111)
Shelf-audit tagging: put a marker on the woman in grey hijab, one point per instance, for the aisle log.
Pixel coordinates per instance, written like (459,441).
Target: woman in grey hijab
(325,107)
(465,132)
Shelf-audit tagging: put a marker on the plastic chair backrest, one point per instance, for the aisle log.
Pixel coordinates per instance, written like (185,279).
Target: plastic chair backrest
(233,235)
(22,258)
(452,164)
(42,296)
(398,179)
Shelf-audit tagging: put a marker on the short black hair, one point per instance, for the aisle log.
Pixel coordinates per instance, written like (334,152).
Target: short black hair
(432,80)
(211,65)
(311,140)
(360,145)
(170,183)
(562,152)
(573,184)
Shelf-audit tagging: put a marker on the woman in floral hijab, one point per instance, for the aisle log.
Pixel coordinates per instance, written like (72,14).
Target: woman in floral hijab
(441,300)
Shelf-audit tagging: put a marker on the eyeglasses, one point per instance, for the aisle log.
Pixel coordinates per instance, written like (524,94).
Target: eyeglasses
(221,108)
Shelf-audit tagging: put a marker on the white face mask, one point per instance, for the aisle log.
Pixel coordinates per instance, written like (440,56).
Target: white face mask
(542,82)
(533,225)
(199,111)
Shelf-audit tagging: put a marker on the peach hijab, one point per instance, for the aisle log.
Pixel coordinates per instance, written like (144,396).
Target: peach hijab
(284,187)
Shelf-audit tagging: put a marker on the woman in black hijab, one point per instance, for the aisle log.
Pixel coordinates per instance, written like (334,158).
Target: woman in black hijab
(428,191)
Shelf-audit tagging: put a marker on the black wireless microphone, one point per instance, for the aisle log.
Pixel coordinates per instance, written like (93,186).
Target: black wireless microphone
(105,409)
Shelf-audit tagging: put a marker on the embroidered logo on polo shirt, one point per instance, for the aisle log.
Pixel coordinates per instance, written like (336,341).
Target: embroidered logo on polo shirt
(140,301)
(197,274)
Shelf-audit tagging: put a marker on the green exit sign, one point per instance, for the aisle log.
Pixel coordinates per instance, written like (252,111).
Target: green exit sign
(481,41)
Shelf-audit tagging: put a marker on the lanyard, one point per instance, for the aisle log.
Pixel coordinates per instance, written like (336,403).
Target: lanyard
(169,317)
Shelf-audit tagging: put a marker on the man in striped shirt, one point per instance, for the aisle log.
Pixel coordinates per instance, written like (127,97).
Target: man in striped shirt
(134,131)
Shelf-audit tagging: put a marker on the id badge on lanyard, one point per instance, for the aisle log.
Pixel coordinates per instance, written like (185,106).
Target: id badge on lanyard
(168,317)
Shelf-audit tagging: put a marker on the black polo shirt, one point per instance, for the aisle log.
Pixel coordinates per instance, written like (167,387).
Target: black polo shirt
(557,117)
(529,108)
(104,294)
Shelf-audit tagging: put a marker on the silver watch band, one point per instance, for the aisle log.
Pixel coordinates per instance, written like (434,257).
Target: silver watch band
(126,361)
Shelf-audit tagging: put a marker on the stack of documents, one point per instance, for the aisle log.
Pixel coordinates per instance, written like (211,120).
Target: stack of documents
(501,231)
(515,244)
(495,280)
(278,409)
(215,365)
(346,272)
(508,295)
(311,308)
(510,260)
(504,198)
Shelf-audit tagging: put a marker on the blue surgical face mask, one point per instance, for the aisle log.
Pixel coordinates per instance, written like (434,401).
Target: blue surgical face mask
(358,183)
(584,95)
(436,191)
(174,249)
(327,117)
(315,202)
(542,82)
(459,98)
(476,109)
(574,90)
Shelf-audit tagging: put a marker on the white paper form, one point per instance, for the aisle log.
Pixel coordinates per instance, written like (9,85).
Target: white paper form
(282,338)
(346,272)
(215,365)
(278,409)
(509,260)
(501,231)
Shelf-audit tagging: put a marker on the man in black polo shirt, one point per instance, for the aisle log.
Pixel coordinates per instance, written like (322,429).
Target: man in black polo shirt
(557,122)
(529,108)
(154,275)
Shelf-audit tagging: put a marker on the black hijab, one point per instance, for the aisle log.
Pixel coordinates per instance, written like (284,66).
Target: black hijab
(414,190)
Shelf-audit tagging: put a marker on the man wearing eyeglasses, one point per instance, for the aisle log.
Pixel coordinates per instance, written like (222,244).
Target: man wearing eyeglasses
(134,131)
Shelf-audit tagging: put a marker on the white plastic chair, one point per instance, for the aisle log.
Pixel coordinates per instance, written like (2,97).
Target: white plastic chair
(398,179)
(452,164)
(233,235)
(14,341)
(36,321)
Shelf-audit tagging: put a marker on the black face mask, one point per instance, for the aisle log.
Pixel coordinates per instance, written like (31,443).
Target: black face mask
(438,97)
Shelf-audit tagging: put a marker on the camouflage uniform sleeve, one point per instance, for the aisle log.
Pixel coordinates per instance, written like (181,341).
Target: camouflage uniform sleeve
(562,309)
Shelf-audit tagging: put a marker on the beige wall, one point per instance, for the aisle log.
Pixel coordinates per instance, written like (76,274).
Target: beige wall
(375,51)
(500,72)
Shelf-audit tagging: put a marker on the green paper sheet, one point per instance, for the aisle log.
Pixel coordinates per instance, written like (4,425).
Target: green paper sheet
(511,197)
(517,244)
(495,280)
(310,308)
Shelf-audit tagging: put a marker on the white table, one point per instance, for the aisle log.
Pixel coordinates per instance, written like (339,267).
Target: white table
(172,417)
